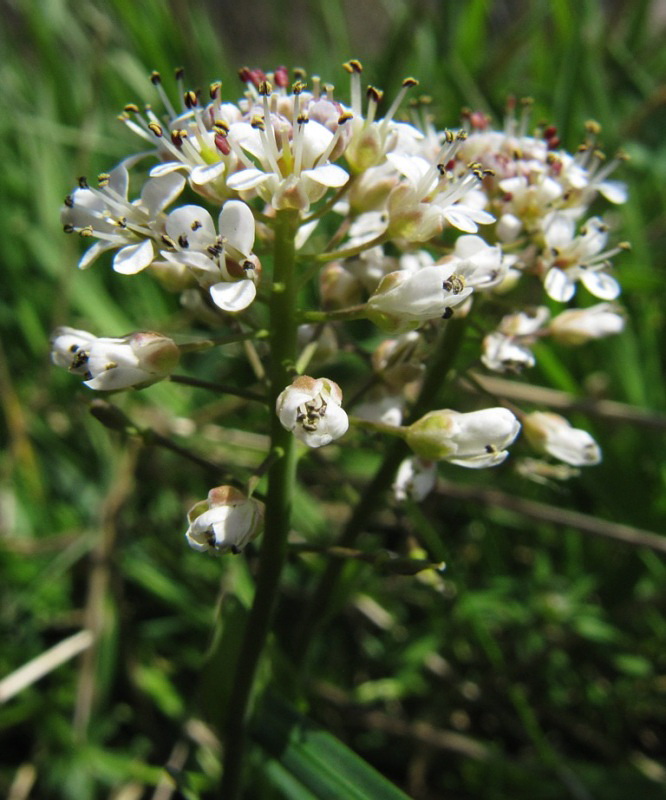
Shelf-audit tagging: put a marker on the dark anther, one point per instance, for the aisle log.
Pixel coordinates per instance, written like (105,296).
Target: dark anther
(69,201)
(182,240)
(448,313)
(83,182)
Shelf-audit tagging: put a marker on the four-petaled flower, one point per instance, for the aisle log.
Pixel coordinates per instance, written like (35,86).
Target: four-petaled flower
(312,410)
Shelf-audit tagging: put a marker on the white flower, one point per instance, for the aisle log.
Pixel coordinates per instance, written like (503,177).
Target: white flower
(476,439)
(226,521)
(507,348)
(109,364)
(414,480)
(311,409)
(550,433)
(291,167)
(223,264)
(574,258)
(405,299)
(132,228)
(580,325)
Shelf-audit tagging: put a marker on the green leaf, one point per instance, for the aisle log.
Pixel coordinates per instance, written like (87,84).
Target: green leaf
(317,762)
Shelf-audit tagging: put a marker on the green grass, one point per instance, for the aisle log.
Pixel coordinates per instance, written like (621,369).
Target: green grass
(541,648)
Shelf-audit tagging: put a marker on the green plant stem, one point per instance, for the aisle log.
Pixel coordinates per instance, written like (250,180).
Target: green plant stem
(281,477)
(317,611)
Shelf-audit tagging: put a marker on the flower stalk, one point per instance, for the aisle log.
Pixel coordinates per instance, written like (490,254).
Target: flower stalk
(281,477)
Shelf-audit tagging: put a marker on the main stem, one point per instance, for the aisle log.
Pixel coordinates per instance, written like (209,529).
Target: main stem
(319,608)
(281,477)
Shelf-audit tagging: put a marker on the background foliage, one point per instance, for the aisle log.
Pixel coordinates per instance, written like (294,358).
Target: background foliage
(536,667)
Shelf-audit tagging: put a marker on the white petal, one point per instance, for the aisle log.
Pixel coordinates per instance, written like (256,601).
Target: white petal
(166,169)
(460,220)
(201,175)
(233,296)
(614,191)
(159,192)
(412,167)
(134,258)
(236,224)
(558,286)
(194,223)
(481,461)
(327,175)
(248,179)
(93,252)
(119,180)
(600,285)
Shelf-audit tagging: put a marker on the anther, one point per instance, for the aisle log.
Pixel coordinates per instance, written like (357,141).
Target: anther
(86,232)
(182,241)
(410,82)
(448,313)
(131,108)
(68,228)
(156,129)
(265,88)
(179,73)
(190,98)
(69,201)
(168,241)
(155,77)
(374,94)
(195,225)
(83,182)
(103,179)
(353,66)
(345,117)
(214,89)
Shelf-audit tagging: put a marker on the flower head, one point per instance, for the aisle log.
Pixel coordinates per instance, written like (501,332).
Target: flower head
(107,364)
(311,409)
(226,521)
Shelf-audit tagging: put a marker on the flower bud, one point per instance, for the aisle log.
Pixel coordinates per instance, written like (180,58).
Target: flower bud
(226,521)
(550,433)
(580,325)
(311,409)
(107,364)
(476,439)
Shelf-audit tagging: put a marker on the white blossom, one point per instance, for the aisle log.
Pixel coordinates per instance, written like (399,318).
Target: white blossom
(312,410)
(475,439)
(108,364)
(225,522)
(580,325)
(552,434)
(222,263)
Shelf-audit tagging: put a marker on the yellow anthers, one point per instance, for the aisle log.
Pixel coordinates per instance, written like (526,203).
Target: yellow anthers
(299,73)
(103,179)
(265,88)
(622,156)
(374,93)
(297,87)
(410,82)
(302,119)
(155,77)
(131,108)
(191,99)
(345,117)
(449,136)
(600,155)
(593,127)
(86,232)
(258,122)
(156,129)
(353,66)
(179,73)
(526,102)
(214,89)
(220,127)
(624,246)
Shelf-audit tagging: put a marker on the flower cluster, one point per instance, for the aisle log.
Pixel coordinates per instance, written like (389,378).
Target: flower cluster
(424,225)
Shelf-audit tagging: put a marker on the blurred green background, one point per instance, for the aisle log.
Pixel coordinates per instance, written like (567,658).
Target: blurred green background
(537,667)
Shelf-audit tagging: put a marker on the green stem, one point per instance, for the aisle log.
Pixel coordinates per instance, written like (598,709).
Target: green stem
(281,477)
(318,610)
(337,315)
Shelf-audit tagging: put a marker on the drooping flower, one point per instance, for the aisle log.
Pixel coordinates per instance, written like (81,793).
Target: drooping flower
(508,348)
(222,263)
(579,325)
(137,360)
(405,299)
(475,439)
(552,434)
(312,410)
(225,522)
